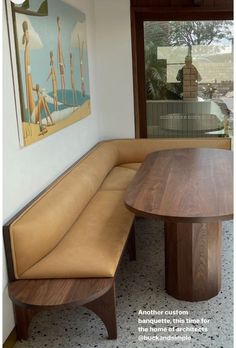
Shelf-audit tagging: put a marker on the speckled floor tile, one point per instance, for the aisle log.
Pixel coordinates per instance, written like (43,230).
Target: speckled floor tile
(140,285)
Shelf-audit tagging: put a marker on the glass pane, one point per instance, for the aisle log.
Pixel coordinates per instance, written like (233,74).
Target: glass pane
(189,78)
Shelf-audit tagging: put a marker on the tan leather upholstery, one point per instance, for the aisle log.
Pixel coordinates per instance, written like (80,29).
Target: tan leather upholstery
(134,166)
(135,150)
(93,246)
(118,179)
(74,209)
(39,229)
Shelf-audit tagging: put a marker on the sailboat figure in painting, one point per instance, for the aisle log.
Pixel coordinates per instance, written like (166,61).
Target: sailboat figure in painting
(72,79)
(34,110)
(81,58)
(54,81)
(60,60)
(42,104)
(28,76)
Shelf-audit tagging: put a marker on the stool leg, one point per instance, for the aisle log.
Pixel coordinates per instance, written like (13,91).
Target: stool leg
(105,308)
(23,317)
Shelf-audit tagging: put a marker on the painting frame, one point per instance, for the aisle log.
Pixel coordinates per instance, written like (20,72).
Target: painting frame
(49,120)
(14,68)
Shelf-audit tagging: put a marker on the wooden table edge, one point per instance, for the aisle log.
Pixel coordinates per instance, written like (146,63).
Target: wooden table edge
(182,219)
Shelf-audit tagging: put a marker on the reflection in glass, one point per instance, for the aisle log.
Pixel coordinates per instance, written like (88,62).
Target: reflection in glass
(189,78)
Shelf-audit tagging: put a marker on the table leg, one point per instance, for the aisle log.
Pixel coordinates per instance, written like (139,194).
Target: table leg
(193,260)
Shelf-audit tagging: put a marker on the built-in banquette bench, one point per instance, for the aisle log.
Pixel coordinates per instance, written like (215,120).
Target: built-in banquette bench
(64,248)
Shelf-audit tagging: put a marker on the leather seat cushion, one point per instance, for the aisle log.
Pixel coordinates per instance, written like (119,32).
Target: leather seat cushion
(134,166)
(94,244)
(118,179)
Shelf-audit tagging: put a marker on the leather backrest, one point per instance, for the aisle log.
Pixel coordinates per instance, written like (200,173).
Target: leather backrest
(135,150)
(40,227)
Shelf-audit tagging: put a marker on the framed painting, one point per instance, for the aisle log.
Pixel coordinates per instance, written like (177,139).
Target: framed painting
(50,66)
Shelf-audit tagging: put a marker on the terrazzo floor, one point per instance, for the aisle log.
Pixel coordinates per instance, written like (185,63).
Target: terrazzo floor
(140,286)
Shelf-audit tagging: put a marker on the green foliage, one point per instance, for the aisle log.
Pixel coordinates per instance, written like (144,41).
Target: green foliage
(156,32)
(155,35)
(199,33)
(25,4)
(43,9)
(155,73)
(25,9)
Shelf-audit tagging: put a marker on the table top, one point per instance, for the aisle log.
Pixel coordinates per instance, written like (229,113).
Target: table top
(184,185)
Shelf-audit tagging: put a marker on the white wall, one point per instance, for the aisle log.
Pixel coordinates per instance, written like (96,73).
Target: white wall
(26,171)
(114,69)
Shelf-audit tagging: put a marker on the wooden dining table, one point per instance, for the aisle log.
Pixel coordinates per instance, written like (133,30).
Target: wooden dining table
(192,191)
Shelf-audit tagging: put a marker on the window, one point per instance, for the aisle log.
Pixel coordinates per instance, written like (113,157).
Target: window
(189,78)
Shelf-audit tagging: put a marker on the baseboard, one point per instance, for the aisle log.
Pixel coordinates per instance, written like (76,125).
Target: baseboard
(11,340)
